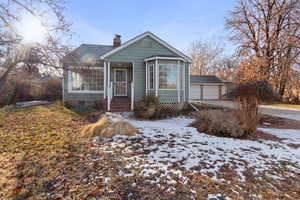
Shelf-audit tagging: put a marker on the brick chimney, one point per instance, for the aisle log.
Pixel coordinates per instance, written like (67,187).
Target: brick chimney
(117,40)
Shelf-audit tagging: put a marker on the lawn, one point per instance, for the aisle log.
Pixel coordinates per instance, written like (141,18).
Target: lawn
(43,157)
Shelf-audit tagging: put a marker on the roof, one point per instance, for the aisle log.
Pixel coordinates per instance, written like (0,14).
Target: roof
(88,53)
(141,36)
(205,79)
(91,52)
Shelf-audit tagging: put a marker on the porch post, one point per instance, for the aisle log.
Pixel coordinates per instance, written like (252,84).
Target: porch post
(156,79)
(105,80)
(183,80)
(132,87)
(189,83)
(109,86)
(178,81)
(146,77)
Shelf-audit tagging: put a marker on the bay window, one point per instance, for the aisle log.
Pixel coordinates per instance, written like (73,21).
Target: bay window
(168,76)
(89,80)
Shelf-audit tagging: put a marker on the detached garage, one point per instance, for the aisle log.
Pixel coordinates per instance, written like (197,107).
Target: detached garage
(207,87)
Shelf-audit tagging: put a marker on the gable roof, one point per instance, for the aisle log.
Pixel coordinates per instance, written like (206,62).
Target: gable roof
(87,52)
(141,36)
(205,79)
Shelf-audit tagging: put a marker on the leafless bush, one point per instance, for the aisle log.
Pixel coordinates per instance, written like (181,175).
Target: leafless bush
(148,107)
(248,97)
(26,90)
(247,111)
(52,90)
(220,123)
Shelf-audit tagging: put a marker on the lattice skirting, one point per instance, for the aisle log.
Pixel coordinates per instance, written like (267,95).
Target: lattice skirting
(171,107)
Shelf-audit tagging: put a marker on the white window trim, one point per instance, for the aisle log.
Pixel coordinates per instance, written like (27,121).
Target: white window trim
(83,67)
(176,78)
(148,77)
(83,91)
(163,58)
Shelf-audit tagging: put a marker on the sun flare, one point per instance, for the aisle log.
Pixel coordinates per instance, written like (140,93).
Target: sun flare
(31,30)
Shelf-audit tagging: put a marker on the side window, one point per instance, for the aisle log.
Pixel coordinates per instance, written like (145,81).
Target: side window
(151,76)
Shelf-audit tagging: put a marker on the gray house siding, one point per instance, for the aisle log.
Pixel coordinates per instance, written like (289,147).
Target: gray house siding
(136,53)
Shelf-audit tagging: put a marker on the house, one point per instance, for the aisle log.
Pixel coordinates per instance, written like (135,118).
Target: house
(119,75)
(208,87)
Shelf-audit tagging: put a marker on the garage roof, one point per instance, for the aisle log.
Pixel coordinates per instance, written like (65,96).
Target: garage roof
(205,79)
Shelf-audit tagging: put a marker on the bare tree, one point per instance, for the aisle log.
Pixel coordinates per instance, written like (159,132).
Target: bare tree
(206,57)
(268,33)
(21,47)
(227,68)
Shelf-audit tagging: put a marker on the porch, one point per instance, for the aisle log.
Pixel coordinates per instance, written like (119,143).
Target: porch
(119,86)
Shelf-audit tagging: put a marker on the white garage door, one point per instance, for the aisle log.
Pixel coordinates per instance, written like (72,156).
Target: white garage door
(210,92)
(195,92)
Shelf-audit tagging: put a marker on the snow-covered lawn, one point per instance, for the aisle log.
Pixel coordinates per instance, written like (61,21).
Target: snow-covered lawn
(168,151)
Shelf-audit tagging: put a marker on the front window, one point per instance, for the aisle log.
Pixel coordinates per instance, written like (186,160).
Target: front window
(86,80)
(151,76)
(168,76)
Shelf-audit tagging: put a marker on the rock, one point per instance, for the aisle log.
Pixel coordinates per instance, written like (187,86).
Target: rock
(31,103)
(266,123)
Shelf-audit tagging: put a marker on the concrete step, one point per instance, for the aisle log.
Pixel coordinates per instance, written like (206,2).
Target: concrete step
(119,110)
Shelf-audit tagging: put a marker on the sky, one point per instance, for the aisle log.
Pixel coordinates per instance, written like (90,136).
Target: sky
(178,22)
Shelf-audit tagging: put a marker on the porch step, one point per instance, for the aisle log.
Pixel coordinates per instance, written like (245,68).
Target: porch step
(120,105)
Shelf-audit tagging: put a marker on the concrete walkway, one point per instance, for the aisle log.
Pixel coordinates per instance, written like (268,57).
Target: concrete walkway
(288,113)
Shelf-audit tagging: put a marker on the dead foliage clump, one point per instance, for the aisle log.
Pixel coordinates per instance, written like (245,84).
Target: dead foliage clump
(261,89)
(119,127)
(248,97)
(17,90)
(148,107)
(219,123)
(247,112)
(105,129)
(92,130)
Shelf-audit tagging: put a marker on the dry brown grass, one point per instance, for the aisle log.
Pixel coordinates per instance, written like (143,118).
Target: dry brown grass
(219,123)
(104,129)
(118,128)
(95,129)
(247,112)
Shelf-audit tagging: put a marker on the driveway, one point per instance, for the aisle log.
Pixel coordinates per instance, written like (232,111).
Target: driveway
(287,113)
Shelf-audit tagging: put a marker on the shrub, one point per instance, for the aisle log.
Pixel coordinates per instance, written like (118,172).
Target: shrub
(247,112)
(261,89)
(247,99)
(147,107)
(52,90)
(26,90)
(220,123)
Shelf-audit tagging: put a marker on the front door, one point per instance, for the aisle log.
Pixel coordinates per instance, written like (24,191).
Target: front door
(120,88)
